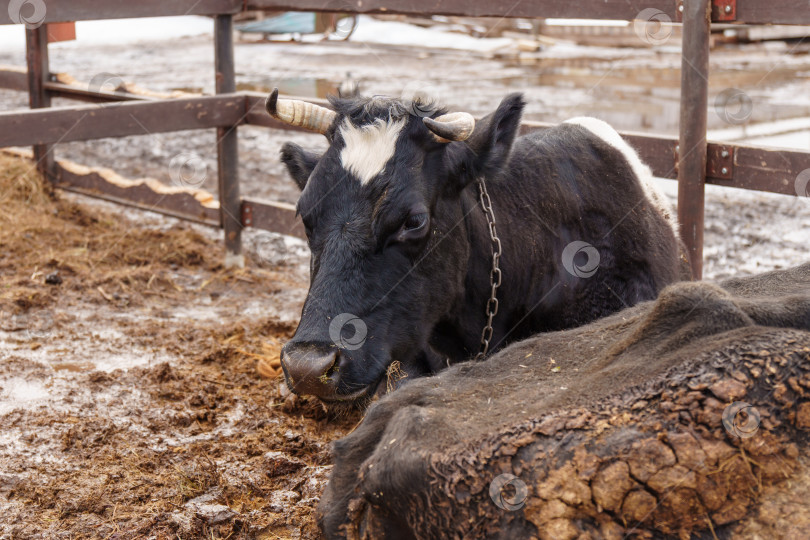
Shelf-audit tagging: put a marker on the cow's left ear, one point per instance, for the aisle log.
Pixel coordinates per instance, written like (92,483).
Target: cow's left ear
(300,163)
(488,148)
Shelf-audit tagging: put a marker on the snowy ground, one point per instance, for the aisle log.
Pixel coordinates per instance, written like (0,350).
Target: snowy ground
(632,88)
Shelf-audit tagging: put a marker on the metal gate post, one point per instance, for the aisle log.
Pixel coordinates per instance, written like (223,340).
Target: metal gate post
(230,204)
(36,56)
(694,112)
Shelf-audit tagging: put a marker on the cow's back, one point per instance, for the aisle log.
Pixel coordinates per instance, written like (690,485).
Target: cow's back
(581,188)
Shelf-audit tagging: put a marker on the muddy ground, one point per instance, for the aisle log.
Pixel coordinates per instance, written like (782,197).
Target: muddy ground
(130,401)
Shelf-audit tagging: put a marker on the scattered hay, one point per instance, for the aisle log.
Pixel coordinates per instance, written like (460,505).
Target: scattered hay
(43,233)
(393,375)
(269,361)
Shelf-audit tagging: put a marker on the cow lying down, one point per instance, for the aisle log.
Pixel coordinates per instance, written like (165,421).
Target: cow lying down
(679,416)
(405,267)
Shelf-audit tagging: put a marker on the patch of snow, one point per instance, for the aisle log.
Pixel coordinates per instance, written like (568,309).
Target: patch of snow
(12,37)
(19,393)
(752,132)
(120,31)
(116,31)
(584,22)
(799,140)
(563,49)
(370,30)
(93,347)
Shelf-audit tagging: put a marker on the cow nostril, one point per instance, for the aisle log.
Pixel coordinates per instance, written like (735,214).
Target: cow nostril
(310,369)
(334,368)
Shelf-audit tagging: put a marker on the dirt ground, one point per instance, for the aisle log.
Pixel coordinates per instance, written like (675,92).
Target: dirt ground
(190,441)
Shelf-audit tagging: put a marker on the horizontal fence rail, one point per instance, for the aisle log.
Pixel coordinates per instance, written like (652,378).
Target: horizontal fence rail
(93,10)
(179,202)
(750,11)
(747,167)
(88,122)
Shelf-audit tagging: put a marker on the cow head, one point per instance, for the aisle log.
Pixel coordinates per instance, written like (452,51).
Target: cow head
(386,228)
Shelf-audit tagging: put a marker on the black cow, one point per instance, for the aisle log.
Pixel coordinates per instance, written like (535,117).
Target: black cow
(401,246)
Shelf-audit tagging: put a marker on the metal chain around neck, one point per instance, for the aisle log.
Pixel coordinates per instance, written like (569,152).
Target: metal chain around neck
(494,273)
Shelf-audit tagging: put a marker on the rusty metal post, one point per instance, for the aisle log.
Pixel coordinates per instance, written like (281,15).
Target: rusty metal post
(36,56)
(694,112)
(230,203)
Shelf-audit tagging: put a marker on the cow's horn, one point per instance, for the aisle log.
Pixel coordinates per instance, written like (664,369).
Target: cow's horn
(300,113)
(457,126)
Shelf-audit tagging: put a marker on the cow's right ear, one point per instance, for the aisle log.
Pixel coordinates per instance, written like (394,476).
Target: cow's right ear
(487,150)
(300,163)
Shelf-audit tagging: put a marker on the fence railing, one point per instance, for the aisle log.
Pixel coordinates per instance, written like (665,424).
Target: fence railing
(741,166)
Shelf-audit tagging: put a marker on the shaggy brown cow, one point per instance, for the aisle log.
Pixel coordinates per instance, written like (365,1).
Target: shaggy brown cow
(669,418)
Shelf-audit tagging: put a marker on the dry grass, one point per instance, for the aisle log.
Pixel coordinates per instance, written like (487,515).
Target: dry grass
(20,184)
(393,375)
(42,233)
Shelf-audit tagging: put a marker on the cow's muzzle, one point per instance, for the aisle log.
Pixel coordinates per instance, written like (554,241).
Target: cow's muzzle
(314,369)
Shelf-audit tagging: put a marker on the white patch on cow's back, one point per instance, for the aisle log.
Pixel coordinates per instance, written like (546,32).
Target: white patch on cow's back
(604,131)
(369,148)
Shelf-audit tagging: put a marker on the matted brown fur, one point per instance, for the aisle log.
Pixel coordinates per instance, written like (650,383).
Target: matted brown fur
(616,429)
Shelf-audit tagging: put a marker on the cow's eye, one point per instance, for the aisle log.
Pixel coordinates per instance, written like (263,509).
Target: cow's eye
(415,221)
(413,228)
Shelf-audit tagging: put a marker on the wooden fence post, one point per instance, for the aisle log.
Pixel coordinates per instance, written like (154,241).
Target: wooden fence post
(692,145)
(230,204)
(36,56)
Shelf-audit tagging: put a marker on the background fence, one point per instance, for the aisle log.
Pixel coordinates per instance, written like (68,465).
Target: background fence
(689,158)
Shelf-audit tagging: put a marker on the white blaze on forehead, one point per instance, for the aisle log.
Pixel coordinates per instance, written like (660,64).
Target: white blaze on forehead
(369,148)
(604,131)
